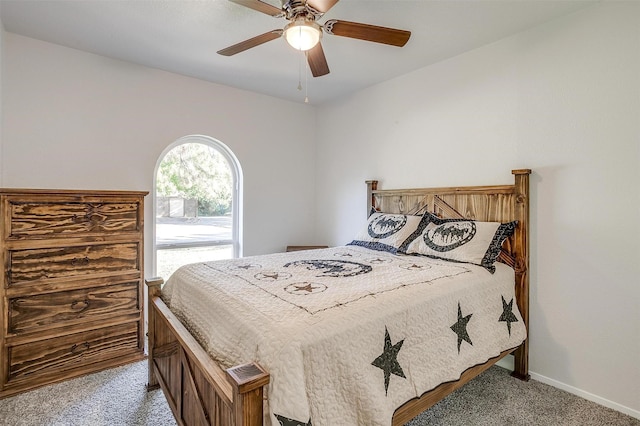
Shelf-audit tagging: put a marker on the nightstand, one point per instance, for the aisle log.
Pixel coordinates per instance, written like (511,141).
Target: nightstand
(298,248)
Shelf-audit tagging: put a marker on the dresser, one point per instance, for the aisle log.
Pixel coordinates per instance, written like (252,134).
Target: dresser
(71,292)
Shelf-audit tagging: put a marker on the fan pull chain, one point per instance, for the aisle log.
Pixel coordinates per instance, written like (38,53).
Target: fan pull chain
(300,71)
(303,63)
(306,79)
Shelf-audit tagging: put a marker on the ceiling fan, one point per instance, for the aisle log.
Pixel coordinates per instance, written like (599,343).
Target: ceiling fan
(304,33)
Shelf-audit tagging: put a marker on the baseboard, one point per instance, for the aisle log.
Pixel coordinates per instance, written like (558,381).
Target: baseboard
(508,363)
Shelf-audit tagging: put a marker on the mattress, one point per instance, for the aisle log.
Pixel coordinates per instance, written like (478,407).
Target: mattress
(347,334)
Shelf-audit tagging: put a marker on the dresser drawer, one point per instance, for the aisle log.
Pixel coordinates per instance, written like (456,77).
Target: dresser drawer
(66,262)
(33,219)
(37,312)
(57,355)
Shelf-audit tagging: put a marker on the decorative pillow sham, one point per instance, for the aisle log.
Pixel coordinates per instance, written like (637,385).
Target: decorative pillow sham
(459,240)
(386,231)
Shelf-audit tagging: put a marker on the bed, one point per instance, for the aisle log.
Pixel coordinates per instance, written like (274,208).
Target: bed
(244,384)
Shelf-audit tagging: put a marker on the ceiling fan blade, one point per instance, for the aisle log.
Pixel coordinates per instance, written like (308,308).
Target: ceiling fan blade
(322,5)
(252,42)
(367,32)
(260,6)
(317,61)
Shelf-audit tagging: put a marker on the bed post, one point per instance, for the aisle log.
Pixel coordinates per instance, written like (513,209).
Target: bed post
(248,382)
(153,290)
(521,250)
(372,185)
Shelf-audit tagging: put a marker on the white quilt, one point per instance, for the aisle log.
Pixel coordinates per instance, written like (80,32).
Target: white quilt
(348,334)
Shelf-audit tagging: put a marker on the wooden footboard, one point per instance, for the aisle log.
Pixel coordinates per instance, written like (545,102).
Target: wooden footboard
(198,390)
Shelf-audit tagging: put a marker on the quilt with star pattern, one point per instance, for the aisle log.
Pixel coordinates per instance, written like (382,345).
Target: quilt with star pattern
(348,334)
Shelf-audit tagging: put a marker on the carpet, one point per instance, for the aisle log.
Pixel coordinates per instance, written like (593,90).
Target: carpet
(118,397)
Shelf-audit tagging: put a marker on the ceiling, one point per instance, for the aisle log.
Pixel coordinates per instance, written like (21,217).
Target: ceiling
(183,36)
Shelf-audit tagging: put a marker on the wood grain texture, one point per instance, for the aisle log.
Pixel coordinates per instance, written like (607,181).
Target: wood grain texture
(58,262)
(260,6)
(174,351)
(250,43)
(317,61)
(367,32)
(62,309)
(55,355)
(299,248)
(59,219)
(71,292)
(521,254)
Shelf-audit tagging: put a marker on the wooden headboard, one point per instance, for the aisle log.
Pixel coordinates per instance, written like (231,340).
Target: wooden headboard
(498,203)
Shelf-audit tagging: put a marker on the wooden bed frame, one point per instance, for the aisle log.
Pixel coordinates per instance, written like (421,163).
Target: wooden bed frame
(201,392)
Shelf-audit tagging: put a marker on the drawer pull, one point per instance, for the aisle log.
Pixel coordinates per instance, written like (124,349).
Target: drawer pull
(92,217)
(80,305)
(96,218)
(79,348)
(79,219)
(80,261)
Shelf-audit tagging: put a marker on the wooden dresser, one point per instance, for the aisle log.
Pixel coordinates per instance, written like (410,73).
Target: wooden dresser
(71,292)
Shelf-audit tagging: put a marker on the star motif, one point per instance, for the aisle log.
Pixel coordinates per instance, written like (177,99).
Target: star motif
(305,288)
(344,254)
(272,276)
(413,266)
(285,421)
(460,328)
(308,288)
(507,313)
(388,360)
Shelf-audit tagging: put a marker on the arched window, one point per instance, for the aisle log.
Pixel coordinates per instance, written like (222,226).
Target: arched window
(197,204)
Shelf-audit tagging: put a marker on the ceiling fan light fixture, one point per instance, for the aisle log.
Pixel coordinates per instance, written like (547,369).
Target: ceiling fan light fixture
(302,34)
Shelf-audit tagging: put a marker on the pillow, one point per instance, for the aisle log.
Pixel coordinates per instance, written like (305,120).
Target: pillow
(459,240)
(386,231)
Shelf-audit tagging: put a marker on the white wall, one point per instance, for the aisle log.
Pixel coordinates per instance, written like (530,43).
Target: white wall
(78,120)
(1,85)
(562,99)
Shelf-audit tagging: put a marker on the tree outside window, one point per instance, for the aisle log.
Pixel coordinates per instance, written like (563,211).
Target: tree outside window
(197,172)
(194,207)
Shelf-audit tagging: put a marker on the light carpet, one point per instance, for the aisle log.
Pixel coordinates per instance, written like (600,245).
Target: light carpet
(118,397)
